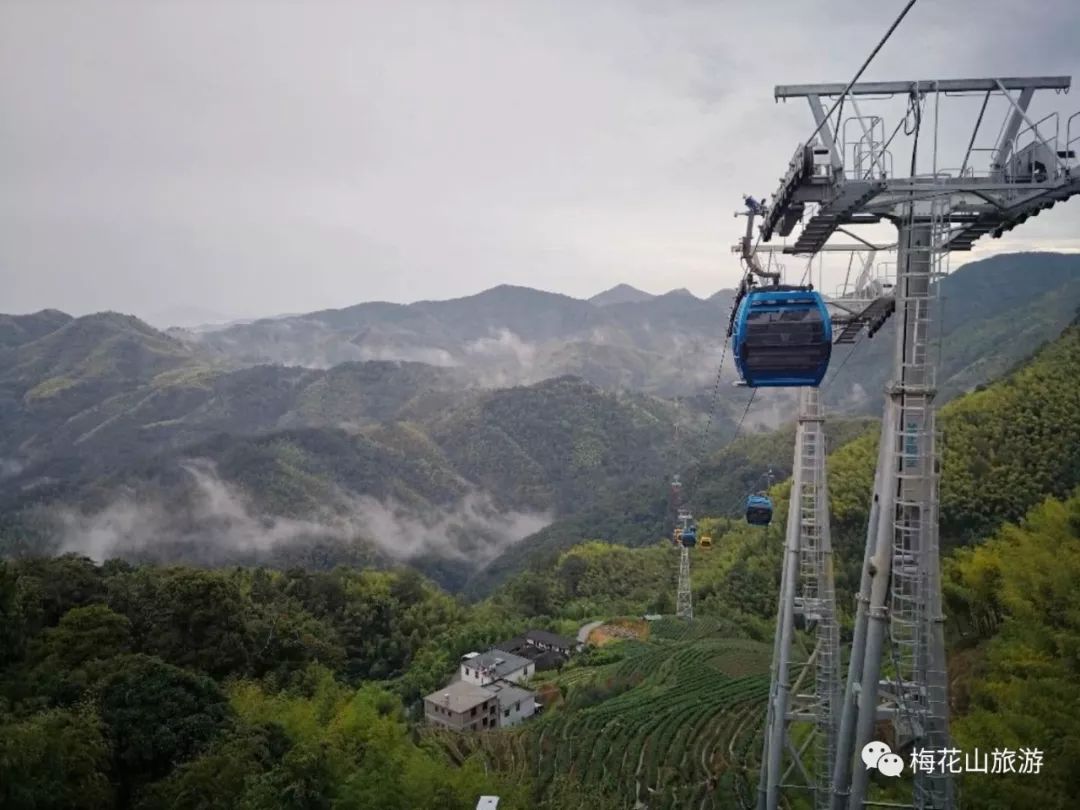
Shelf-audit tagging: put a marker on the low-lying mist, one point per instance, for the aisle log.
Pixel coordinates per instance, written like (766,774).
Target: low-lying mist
(215,523)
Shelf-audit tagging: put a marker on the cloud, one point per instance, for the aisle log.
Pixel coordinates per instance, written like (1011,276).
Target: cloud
(218,521)
(770,409)
(9,467)
(317,154)
(431,355)
(502,344)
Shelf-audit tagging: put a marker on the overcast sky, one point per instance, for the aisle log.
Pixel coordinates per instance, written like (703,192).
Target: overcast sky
(245,158)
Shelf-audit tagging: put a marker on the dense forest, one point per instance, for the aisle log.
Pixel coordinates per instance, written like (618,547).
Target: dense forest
(186,688)
(180,687)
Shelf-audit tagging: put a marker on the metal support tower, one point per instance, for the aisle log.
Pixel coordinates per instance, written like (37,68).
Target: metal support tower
(902,609)
(803,761)
(684,607)
(897,667)
(684,603)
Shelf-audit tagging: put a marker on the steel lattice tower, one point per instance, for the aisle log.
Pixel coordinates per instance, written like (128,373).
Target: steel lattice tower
(806,596)
(853,181)
(684,603)
(799,750)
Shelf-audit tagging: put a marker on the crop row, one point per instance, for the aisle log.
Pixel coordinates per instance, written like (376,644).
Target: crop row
(603,744)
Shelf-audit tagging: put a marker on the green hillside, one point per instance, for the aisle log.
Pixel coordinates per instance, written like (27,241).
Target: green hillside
(18,329)
(668,721)
(1015,629)
(559,444)
(994,313)
(385,459)
(1005,448)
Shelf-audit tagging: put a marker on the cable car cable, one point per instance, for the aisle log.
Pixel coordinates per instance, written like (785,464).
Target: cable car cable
(865,65)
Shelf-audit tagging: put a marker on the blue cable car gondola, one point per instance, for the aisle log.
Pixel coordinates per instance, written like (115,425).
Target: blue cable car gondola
(782,336)
(758,510)
(689,536)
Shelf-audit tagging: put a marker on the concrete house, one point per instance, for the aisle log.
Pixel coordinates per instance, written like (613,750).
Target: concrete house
(515,704)
(463,706)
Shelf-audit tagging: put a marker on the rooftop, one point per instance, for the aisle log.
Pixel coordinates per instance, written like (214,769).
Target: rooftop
(500,662)
(509,693)
(512,645)
(460,696)
(553,639)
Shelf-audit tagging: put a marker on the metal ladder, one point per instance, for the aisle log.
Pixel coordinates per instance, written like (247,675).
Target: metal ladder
(916,652)
(817,598)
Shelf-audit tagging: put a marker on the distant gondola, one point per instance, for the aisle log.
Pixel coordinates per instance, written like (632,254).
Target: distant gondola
(706,541)
(782,337)
(689,536)
(758,510)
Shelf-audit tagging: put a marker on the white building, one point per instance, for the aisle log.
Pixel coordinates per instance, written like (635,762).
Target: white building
(495,665)
(515,704)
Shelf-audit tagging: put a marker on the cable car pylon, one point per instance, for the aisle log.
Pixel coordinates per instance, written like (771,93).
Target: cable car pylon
(684,602)
(804,689)
(804,706)
(684,536)
(840,184)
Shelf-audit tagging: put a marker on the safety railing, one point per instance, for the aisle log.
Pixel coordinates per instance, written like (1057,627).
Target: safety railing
(1070,139)
(1036,132)
(864,154)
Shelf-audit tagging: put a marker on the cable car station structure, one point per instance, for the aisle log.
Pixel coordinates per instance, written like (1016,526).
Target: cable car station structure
(845,176)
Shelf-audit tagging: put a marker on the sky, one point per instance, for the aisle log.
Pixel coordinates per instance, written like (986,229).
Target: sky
(193,161)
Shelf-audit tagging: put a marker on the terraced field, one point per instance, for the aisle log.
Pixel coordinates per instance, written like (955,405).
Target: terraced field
(672,724)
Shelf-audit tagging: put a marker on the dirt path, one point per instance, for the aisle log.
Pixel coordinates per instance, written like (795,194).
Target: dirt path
(583,633)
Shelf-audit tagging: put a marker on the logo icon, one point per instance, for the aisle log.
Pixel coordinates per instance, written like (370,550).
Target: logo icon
(879,755)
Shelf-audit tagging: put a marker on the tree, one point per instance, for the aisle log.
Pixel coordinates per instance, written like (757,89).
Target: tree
(68,657)
(157,716)
(188,617)
(221,778)
(54,760)
(1028,690)
(571,572)
(286,638)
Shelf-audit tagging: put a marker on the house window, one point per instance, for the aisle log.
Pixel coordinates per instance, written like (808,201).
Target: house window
(506,713)
(517,706)
(473,713)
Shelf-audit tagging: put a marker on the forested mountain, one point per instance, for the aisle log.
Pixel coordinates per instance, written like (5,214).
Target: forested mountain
(114,431)
(18,329)
(362,463)
(1006,447)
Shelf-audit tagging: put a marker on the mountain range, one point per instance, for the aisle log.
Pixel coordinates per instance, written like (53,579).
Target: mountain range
(995,311)
(441,433)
